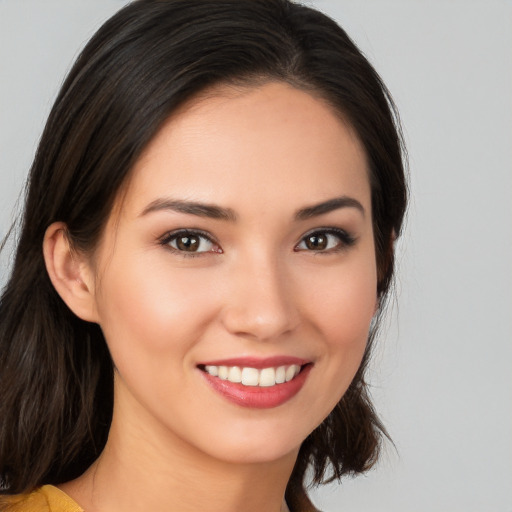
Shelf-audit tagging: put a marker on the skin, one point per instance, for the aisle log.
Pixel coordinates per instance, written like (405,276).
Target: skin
(263,153)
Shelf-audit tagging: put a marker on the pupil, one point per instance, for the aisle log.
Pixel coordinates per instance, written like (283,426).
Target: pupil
(316,242)
(187,243)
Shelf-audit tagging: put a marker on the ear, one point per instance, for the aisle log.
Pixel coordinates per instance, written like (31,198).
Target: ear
(70,273)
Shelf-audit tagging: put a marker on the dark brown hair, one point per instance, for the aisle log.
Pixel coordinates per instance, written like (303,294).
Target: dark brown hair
(56,376)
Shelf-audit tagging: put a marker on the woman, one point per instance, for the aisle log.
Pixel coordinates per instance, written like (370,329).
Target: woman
(206,247)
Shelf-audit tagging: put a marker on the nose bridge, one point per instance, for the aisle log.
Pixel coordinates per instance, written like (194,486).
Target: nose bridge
(261,303)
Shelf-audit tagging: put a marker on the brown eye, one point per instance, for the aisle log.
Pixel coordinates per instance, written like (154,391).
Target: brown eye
(329,240)
(316,242)
(190,242)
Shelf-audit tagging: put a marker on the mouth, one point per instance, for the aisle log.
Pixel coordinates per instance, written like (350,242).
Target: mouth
(257,384)
(254,377)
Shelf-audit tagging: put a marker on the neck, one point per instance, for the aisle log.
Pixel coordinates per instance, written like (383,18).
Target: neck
(144,469)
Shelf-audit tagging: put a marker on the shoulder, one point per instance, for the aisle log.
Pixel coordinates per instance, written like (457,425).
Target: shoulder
(44,499)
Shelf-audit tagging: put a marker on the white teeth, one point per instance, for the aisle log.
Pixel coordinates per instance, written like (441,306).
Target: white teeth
(212,370)
(223,372)
(280,374)
(250,377)
(235,374)
(291,371)
(266,377)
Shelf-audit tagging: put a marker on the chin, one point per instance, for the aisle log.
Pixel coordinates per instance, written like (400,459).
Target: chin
(258,444)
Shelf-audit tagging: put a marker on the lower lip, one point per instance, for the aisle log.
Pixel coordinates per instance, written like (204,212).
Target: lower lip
(257,397)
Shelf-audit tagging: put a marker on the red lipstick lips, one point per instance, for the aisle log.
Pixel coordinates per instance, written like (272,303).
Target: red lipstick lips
(255,382)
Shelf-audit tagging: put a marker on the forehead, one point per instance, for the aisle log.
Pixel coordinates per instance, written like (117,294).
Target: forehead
(252,145)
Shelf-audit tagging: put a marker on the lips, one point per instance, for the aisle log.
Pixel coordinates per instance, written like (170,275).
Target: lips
(257,383)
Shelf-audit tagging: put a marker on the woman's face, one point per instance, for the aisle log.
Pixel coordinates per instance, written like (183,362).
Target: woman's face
(243,249)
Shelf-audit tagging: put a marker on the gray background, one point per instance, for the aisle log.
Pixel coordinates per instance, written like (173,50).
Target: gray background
(442,375)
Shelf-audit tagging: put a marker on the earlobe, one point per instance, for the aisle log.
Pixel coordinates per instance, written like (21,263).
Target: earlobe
(69,273)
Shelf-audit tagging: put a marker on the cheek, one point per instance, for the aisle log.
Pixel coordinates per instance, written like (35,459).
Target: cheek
(344,304)
(349,312)
(346,331)
(342,313)
(145,309)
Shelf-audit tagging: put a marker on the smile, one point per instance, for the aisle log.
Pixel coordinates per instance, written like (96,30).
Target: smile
(247,376)
(259,384)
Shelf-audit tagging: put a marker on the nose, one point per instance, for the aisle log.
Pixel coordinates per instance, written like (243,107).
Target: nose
(260,302)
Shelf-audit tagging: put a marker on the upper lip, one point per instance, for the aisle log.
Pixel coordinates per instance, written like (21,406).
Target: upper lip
(257,362)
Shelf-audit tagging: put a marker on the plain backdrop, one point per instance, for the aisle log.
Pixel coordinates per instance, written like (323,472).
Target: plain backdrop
(442,375)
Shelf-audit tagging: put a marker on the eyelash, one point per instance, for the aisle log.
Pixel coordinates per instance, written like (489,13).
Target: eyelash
(345,239)
(174,235)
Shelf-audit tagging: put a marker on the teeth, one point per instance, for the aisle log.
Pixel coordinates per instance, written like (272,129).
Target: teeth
(291,371)
(250,377)
(223,372)
(265,377)
(213,370)
(235,374)
(280,374)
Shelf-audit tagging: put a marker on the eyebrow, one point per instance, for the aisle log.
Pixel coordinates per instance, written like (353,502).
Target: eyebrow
(217,212)
(329,206)
(192,208)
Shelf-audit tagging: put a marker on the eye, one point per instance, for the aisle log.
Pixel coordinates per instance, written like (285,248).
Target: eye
(190,242)
(325,240)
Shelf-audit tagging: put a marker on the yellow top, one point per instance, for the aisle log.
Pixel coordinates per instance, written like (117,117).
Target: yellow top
(49,498)
(44,499)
